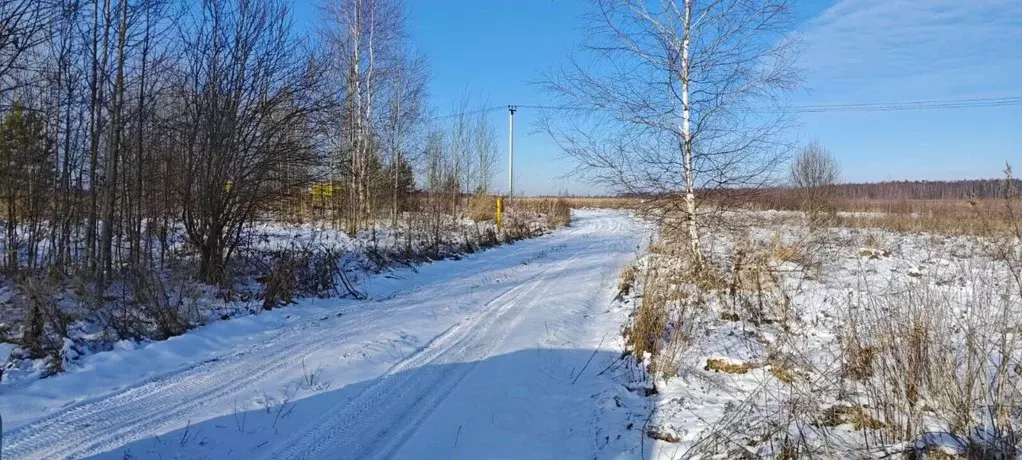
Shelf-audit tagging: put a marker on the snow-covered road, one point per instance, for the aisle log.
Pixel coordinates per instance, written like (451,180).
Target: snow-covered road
(476,358)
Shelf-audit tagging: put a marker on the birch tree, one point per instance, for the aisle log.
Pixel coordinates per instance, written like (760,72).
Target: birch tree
(365,41)
(484,144)
(403,120)
(680,100)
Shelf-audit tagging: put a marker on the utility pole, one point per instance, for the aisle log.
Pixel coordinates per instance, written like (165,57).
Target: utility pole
(511,151)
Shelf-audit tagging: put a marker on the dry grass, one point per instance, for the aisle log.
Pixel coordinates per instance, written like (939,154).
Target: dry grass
(913,365)
(854,415)
(782,373)
(556,210)
(559,213)
(727,367)
(482,208)
(946,217)
(933,363)
(981,217)
(626,281)
(539,204)
(665,320)
(662,435)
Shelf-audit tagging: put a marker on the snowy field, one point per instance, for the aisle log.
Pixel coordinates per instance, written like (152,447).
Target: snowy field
(838,343)
(804,342)
(498,355)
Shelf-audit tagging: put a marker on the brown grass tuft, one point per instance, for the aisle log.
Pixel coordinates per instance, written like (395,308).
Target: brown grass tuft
(855,415)
(721,365)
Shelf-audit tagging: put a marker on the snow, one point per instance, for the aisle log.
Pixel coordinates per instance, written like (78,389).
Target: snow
(700,404)
(496,355)
(5,351)
(376,249)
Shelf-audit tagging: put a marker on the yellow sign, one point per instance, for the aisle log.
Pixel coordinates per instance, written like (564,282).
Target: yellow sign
(322,191)
(500,209)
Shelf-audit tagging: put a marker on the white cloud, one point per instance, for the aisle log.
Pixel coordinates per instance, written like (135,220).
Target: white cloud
(914,49)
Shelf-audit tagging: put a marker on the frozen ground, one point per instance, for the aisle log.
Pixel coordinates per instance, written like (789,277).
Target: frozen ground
(315,251)
(784,376)
(497,355)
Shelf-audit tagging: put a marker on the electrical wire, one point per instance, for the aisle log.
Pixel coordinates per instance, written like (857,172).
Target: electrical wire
(470,112)
(910,105)
(821,108)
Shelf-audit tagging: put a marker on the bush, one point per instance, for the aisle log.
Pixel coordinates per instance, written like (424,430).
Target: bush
(665,320)
(559,213)
(303,271)
(482,208)
(167,307)
(281,282)
(45,324)
(925,362)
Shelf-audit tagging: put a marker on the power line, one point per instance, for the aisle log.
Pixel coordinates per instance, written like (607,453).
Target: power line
(910,105)
(944,101)
(821,108)
(556,107)
(471,112)
(863,106)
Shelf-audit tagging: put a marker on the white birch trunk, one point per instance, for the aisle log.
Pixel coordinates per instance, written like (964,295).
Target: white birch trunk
(686,133)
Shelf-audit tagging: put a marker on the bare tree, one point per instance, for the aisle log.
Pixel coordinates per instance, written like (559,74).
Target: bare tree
(484,142)
(100,55)
(23,25)
(459,140)
(404,118)
(678,99)
(26,169)
(114,148)
(814,172)
(60,85)
(364,40)
(246,98)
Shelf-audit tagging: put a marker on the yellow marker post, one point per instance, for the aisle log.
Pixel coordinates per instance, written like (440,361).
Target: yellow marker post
(500,209)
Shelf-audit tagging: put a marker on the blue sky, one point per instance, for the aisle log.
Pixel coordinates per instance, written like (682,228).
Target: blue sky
(855,51)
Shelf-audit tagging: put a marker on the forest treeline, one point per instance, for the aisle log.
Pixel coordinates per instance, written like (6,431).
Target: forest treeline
(926,190)
(127,122)
(966,189)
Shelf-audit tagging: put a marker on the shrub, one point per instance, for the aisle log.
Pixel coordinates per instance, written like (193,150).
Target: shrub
(45,323)
(559,213)
(925,360)
(482,208)
(813,175)
(281,282)
(300,271)
(167,307)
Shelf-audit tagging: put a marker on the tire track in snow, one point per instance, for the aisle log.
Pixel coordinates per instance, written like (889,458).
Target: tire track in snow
(140,411)
(162,403)
(377,422)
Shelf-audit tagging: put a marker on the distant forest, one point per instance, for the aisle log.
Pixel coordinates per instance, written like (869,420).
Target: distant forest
(927,190)
(890,190)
